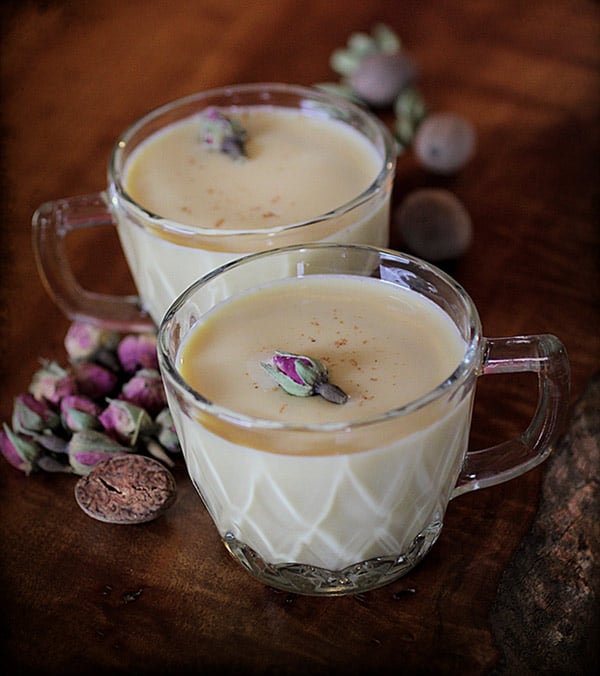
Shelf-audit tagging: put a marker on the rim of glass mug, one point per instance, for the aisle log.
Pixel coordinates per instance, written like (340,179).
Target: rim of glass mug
(454,381)
(54,220)
(310,99)
(542,354)
(436,435)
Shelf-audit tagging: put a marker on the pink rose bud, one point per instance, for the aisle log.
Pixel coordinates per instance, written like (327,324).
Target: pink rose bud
(89,447)
(126,421)
(52,383)
(138,352)
(146,390)
(20,451)
(83,340)
(33,415)
(223,134)
(94,381)
(167,435)
(303,376)
(79,413)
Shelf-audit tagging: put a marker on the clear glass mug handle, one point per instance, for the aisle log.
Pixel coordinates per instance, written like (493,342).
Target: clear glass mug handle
(52,222)
(546,356)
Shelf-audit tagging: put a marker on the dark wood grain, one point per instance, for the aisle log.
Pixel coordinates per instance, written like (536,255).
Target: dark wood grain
(164,597)
(552,624)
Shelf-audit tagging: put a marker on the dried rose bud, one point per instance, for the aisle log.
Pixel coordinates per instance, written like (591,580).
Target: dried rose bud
(84,341)
(33,415)
(52,383)
(93,380)
(79,413)
(146,390)
(138,352)
(167,435)
(223,134)
(48,463)
(303,376)
(89,447)
(360,45)
(126,421)
(157,451)
(52,442)
(410,110)
(20,451)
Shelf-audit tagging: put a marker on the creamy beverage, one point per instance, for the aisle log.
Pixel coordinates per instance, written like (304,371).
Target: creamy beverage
(297,167)
(326,500)
(300,165)
(214,176)
(322,395)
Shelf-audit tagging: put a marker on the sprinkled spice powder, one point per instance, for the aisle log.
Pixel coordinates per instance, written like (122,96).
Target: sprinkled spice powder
(392,347)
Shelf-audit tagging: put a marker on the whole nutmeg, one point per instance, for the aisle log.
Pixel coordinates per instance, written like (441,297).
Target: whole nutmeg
(434,224)
(444,142)
(381,77)
(126,489)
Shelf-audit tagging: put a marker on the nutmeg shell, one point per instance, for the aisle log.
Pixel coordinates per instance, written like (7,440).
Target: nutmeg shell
(380,77)
(445,142)
(126,489)
(433,224)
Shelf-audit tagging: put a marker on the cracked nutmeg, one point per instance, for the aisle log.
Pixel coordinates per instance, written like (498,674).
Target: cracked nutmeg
(126,489)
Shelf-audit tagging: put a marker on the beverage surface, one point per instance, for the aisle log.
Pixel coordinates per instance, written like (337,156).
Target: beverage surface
(298,166)
(384,345)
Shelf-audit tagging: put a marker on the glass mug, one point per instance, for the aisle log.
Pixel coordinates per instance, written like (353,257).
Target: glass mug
(363,500)
(165,256)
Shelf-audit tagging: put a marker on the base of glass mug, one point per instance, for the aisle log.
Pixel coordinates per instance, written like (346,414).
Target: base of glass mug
(300,578)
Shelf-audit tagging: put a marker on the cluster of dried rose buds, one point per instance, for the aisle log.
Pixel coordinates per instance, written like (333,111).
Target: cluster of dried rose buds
(109,400)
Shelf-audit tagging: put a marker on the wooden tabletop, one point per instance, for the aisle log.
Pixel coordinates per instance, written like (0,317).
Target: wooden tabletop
(164,597)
